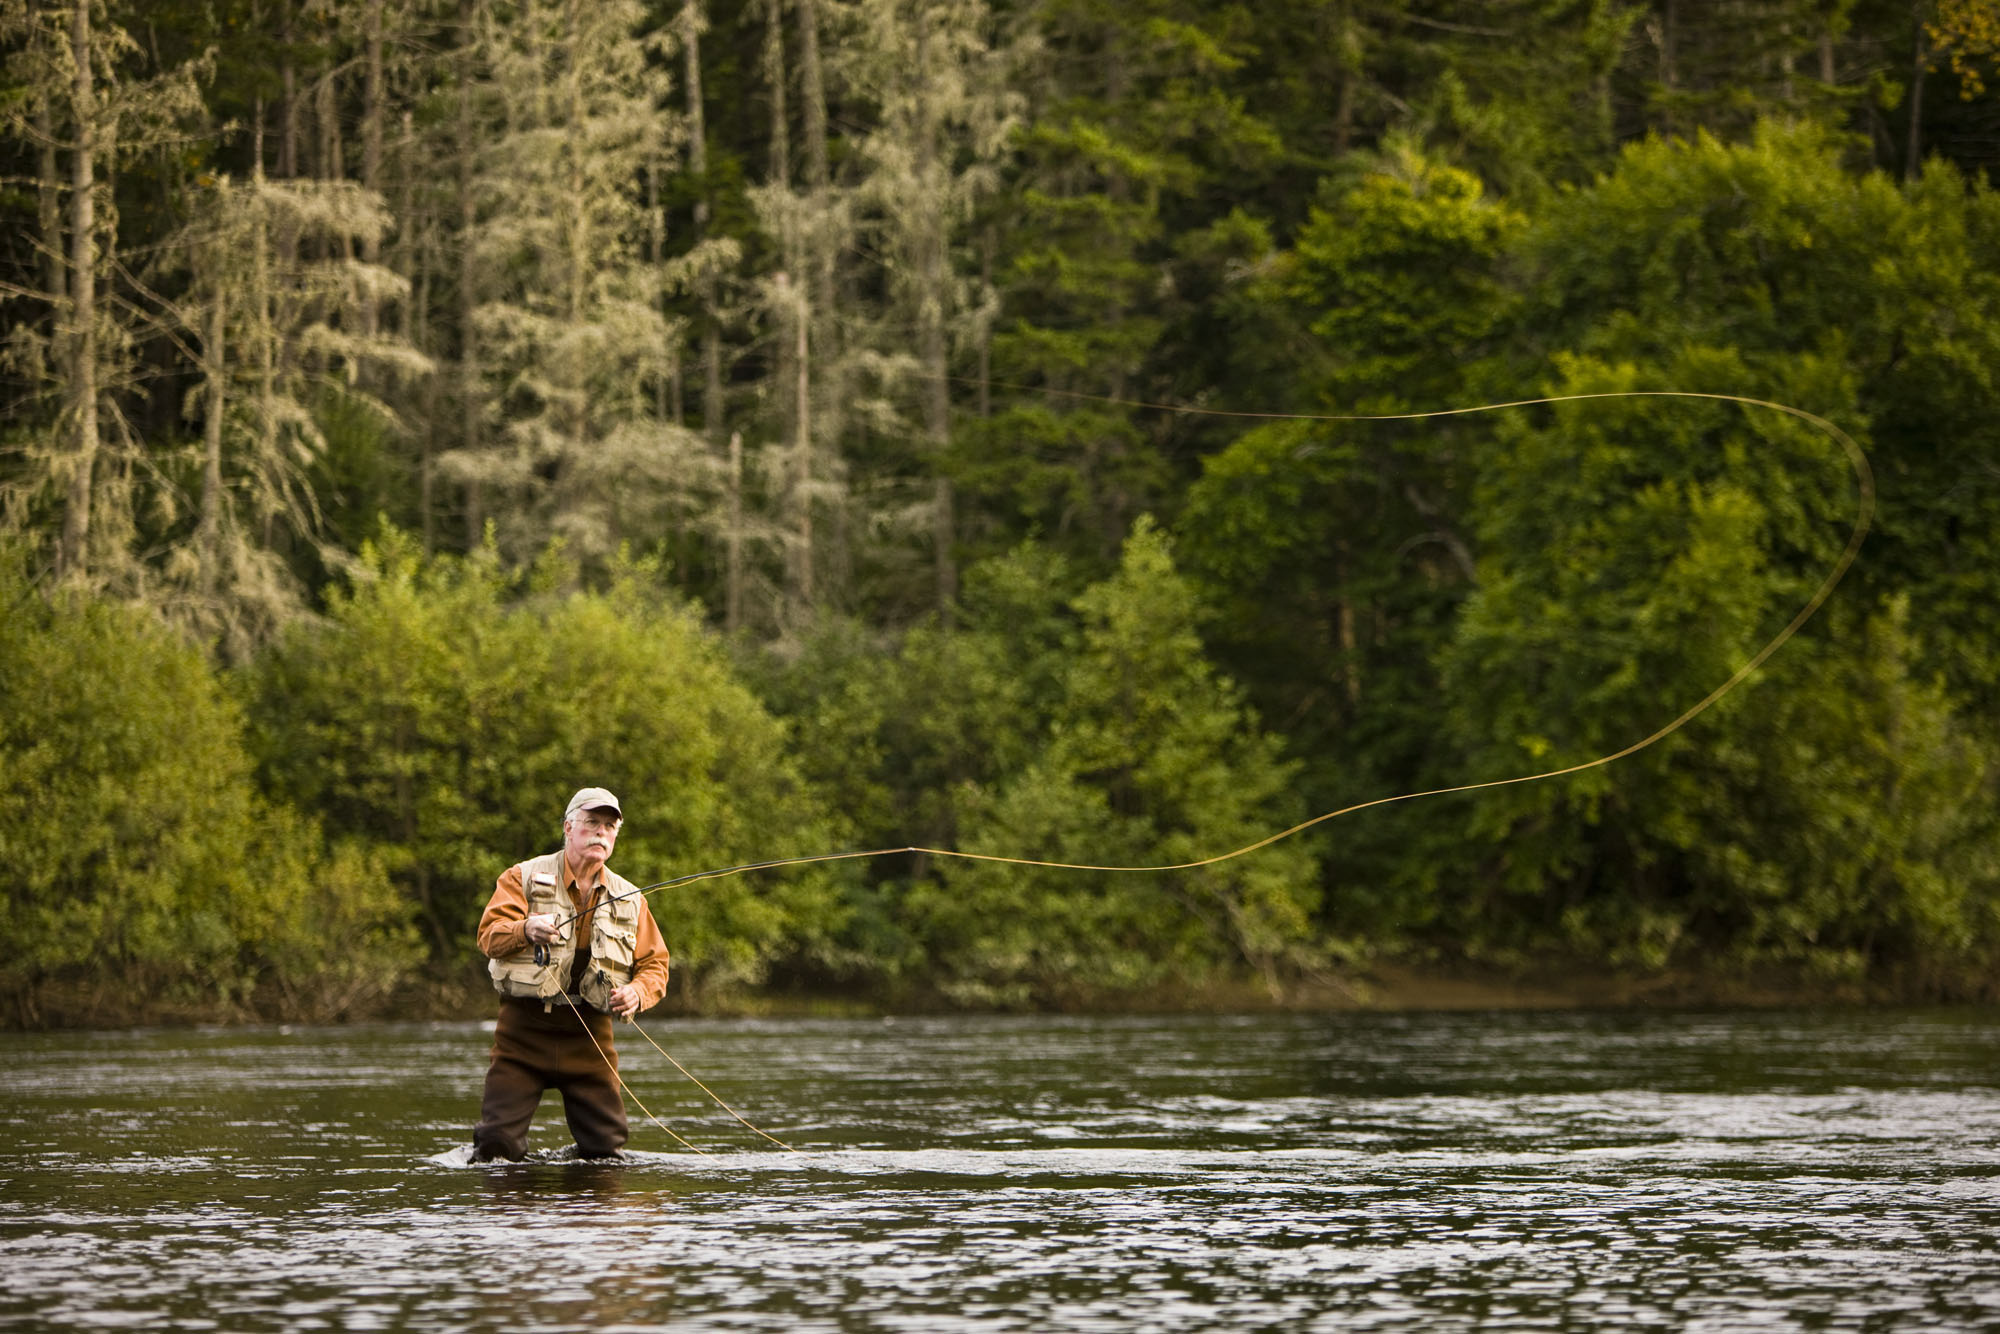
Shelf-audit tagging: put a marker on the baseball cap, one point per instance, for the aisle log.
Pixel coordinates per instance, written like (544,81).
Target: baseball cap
(592,798)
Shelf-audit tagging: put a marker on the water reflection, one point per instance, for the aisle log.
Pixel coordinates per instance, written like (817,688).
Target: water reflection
(1428,1172)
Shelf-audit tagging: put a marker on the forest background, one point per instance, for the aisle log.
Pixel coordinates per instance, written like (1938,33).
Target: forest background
(812,419)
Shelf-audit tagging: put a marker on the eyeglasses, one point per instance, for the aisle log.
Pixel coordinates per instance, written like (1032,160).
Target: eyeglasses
(608,824)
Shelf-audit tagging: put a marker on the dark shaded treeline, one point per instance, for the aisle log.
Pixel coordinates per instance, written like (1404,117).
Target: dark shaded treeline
(814,422)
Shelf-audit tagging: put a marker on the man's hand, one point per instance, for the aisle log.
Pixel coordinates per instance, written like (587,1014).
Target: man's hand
(541,928)
(625,1001)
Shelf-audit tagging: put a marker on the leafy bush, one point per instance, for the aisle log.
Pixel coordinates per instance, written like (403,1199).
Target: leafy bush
(440,715)
(149,871)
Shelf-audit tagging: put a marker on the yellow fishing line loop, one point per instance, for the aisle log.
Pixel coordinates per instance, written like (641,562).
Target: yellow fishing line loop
(1864,518)
(1864,476)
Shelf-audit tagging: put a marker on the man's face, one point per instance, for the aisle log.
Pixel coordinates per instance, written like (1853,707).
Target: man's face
(588,838)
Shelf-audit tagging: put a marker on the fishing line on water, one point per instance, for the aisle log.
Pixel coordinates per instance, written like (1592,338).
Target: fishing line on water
(1864,517)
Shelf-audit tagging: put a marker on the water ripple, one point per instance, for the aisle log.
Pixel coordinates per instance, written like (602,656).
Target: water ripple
(1444,1172)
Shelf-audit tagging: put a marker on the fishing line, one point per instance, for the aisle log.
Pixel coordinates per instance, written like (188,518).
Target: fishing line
(615,1074)
(706,1089)
(1864,517)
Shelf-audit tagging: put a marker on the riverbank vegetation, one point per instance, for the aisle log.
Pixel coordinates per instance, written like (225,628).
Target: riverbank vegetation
(839,425)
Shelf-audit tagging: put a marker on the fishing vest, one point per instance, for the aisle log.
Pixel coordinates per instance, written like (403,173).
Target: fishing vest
(614,938)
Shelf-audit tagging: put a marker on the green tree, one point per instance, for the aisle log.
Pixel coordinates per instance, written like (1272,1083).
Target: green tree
(573,346)
(288,340)
(1827,816)
(1780,250)
(1134,139)
(1634,553)
(910,731)
(1153,759)
(154,877)
(1335,554)
(1523,91)
(1847,827)
(77,99)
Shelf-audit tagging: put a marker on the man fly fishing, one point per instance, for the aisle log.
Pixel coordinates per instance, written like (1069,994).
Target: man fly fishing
(570,943)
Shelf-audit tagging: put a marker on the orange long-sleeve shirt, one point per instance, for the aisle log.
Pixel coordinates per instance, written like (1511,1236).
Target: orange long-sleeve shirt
(503,928)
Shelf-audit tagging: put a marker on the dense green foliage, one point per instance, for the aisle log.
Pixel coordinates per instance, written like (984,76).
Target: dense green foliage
(149,867)
(997,428)
(1148,760)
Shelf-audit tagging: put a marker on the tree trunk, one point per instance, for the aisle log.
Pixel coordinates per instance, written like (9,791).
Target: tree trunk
(932,299)
(371,139)
(208,533)
(987,244)
(668,404)
(712,414)
(1345,632)
(332,153)
(820,244)
(371,109)
(48,198)
(812,96)
(73,555)
(409,257)
(1913,157)
(579,224)
(732,541)
(1669,36)
(774,77)
(1348,36)
(802,454)
(264,287)
(792,347)
(819,175)
(418,262)
(288,111)
(470,435)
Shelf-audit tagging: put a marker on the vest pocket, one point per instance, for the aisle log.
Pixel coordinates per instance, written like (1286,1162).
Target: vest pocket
(518,974)
(616,945)
(545,899)
(613,945)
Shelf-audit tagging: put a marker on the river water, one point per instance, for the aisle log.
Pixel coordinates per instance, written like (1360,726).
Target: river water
(1684,1171)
